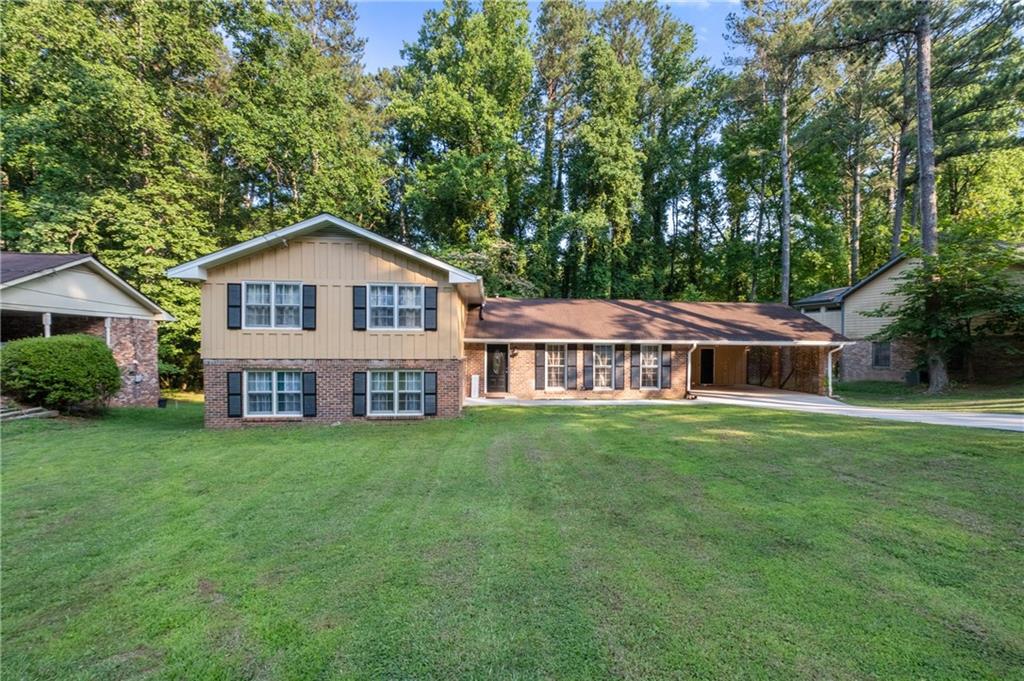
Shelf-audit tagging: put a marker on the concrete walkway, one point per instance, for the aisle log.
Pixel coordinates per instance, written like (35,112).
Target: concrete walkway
(787,400)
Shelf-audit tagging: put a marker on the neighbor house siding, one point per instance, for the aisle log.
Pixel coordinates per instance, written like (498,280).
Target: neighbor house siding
(833,318)
(870,297)
(73,291)
(334,265)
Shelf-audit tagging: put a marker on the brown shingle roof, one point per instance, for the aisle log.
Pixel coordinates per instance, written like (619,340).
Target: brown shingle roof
(17,265)
(632,320)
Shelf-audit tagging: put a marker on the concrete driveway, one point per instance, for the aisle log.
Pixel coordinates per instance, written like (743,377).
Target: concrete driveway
(787,400)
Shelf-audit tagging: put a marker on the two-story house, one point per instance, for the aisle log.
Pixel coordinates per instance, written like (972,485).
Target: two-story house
(325,321)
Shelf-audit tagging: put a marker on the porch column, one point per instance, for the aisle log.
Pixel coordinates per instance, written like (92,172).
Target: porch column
(776,367)
(47,319)
(106,331)
(824,369)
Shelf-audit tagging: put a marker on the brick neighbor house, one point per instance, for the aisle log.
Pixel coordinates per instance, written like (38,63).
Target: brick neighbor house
(43,294)
(325,321)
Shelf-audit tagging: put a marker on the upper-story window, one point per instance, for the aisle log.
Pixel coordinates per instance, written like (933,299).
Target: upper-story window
(396,306)
(272,305)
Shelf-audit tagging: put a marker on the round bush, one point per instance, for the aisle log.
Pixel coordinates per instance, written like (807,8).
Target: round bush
(59,372)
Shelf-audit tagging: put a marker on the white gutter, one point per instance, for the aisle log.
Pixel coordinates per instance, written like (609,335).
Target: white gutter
(830,353)
(689,367)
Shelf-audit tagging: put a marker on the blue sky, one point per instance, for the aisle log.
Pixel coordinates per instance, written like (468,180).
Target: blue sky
(387,24)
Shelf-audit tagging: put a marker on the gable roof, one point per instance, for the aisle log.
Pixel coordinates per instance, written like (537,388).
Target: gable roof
(838,295)
(561,319)
(19,268)
(195,270)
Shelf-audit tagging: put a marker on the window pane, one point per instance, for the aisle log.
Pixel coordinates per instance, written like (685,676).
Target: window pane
(382,402)
(409,402)
(287,294)
(409,318)
(410,296)
(286,315)
(257,294)
(382,295)
(382,316)
(260,381)
(410,380)
(289,381)
(650,365)
(261,403)
(382,380)
(289,403)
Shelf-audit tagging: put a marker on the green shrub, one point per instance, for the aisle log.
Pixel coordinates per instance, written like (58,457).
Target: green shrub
(60,372)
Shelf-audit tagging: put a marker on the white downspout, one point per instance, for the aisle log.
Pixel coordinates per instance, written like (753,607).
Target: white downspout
(830,353)
(689,367)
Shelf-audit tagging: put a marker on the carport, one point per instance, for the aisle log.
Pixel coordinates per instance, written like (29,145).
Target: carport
(801,366)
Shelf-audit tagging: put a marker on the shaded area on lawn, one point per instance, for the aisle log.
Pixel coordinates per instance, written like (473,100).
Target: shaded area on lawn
(996,399)
(603,542)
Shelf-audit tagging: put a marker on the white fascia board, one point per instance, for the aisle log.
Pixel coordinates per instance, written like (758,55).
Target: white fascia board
(159,314)
(195,270)
(658,341)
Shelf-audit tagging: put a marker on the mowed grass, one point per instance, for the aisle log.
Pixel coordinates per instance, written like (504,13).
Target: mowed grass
(611,542)
(998,399)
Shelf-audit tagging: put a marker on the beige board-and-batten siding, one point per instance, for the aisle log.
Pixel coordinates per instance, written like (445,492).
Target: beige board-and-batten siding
(334,264)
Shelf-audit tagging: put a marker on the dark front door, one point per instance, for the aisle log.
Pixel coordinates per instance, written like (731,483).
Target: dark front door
(497,368)
(707,365)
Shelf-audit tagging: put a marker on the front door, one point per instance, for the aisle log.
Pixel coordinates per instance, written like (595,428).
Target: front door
(497,368)
(707,366)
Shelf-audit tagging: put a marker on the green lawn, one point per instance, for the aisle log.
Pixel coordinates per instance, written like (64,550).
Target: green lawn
(1000,399)
(697,541)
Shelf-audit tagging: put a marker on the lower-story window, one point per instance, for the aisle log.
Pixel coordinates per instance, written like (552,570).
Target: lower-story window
(881,355)
(273,393)
(396,392)
(603,366)
(650,366)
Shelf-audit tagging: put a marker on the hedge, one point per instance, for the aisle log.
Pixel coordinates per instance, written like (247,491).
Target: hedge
(60,372)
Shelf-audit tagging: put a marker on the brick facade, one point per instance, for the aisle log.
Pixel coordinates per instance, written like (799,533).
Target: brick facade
(855,363)
(333,388)
(521,376)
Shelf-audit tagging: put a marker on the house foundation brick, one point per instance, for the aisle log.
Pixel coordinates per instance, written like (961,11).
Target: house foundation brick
(333,388)
(855,363)
(521,376)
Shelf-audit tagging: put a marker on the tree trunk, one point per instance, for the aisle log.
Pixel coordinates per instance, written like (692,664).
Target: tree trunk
(938,379)
(784,167)
(901,192)
(855,220)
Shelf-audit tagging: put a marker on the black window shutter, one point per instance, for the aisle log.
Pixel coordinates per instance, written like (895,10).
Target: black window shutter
(634,367)
(570,366)
(666,366)
(588,367)
(359,309)
(430,393)
(359,393)
(619,367)
(430,308)
(309,393)
(538,367)
(235,307)
(234,394)
(309,307)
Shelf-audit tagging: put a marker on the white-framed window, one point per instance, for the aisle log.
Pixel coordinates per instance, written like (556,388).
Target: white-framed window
(396,392)
(650,366)
(881,355)
(396,306)
(554,367)
(273,393)
(603,367)
(272,305)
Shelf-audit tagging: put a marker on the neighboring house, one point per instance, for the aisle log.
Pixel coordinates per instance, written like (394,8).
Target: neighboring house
(325,321)
(44,294)
(843,310)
